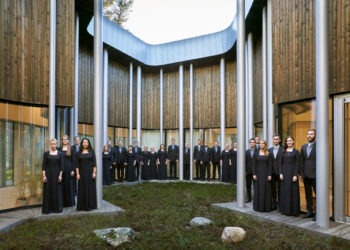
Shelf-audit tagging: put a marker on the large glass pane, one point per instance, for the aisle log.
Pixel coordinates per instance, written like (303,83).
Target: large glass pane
(86,131)
(150,138)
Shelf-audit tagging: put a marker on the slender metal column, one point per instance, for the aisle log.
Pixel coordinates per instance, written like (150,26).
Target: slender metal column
(65,121)
(222,106)
(250,86)
(71,125)
(270,106)
(240,102)
(181,120)
(264,73)
(130,102)
(58,125)
(138,106)
(246,91)
(191,121)
(52,77)
(98,82)
(322,115)
(161,106)
(105,97)
(76,77)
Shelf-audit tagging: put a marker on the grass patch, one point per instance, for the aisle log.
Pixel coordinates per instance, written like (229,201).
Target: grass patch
(161,213)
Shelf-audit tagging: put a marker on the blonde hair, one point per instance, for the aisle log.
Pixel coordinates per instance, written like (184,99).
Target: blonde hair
(53,140)
(68,145)
(266,152)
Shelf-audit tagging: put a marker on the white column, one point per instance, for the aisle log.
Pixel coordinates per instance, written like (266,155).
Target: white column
(246,109)
(250,86)
(240,102)
(76,77)
(71,125)
(98,82)
(181,120)
(191,121)
(138,106)
(222,107)
(264,73)
(161,107)
(270,106)
(52,77)
(105,97)
(58,125)
(130,102)
(322,115)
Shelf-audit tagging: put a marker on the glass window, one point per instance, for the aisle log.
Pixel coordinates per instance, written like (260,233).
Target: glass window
(150,138)
(86,131)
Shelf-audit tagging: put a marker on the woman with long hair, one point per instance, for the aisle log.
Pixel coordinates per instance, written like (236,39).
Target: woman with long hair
(145,164)
(162,162)
(131,162)
(86,175)
(262,171)
(152,164)
(225,163)
(233,168)
(289,170)
(107,165)
(68,155)
(52,169)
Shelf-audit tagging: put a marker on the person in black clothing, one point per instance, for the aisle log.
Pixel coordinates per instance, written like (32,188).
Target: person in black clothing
(145,164)
(290,197)
(233,168)
(76,147)
(120,159)
(197,157)
(131,163)
(162,162)
(262,171)
(153,164)
(107,165)
(86,176)
(138,156)
(308,170)
(173,157)
(257,142)
(225,163)
(68,153)
(250,158)
(112,153)
(205,161)
(276,151)
(215,158)
(52,169)
(187,160)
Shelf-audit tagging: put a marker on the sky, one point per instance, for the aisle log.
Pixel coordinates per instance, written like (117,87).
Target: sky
(160,21)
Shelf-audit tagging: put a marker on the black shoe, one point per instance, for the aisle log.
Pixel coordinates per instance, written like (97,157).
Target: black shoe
(308,215)
(314,218)
(248,200)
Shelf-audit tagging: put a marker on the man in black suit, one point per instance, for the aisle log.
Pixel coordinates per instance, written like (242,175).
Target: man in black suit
(250,156)
(120,161)
(205,161)
(187,160)
(138,157)
(308,170)
(197,157)
(173,157)
(215,158)
(77,148)
(257,143)
(277,152)
(111,150)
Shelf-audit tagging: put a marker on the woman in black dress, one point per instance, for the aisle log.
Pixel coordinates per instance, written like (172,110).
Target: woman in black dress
(289,196)
(262,170)
(52,177)
(225,163)
(68,155)
(107,165)
(86,176)
(233,168)
(145,164)
(152,164)
(131,161)
(162,162)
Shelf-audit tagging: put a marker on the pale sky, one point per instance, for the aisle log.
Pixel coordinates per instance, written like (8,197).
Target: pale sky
(160,21)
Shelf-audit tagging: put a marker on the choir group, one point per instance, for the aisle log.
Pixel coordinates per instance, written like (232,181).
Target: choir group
(274,172)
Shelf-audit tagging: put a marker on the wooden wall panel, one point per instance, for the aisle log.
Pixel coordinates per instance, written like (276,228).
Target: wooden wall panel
(231,94)
(24,51)
(171,99)
(257,80)
(150,101)
(294,48)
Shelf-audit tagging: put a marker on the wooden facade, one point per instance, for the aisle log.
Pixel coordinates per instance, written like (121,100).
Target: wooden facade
(294,48)
(24,51)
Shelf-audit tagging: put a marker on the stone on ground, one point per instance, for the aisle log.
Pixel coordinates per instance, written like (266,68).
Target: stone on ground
(233,234)
(116,236)
(199,221)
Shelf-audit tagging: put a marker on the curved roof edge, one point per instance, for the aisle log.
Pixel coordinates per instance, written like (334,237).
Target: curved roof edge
(172,52)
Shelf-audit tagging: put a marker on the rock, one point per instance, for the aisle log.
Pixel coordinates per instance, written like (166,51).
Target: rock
(116,236)
(199,221)
(233,234)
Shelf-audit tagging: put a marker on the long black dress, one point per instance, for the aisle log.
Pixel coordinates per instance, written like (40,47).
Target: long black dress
(67,179)
(130,170)
(107,163)
(145,166)
(153,165)
(86,185)
(225,157)
(289,195)
(52,189)
(262,168)
(162,167)
(233,168)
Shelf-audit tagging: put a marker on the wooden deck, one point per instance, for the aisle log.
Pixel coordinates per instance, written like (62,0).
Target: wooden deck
(341,230)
